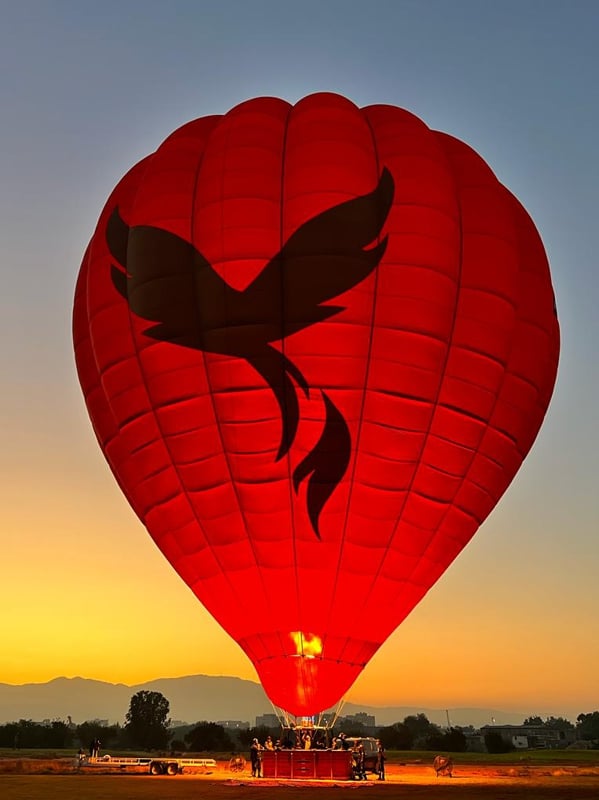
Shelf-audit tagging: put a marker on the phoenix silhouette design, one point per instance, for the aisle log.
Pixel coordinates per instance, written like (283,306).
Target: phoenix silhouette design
(167,281)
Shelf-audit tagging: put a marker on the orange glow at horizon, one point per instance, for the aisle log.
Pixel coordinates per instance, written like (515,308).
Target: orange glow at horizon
(83,584)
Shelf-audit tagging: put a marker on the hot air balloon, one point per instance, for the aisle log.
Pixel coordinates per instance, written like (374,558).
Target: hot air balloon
(316,343)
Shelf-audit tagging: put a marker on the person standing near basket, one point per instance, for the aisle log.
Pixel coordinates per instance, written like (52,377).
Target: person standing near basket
(255,758)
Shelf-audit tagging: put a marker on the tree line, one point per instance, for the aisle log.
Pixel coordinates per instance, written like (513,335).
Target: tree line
(147,727)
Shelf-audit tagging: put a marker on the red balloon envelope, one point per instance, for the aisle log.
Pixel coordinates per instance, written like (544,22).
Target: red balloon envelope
(316,343)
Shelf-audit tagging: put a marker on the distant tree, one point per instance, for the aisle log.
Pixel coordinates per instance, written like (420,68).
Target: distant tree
(58,735)
(177,734)
(436,741)
(9,735)
(147,723)
(587,726)
(23,734)
(29,734)
(107,735)
(495,743)
(354,728)
(396,737)
(245,735)
(419,724)
(208,736)
(533,721)
(558,723)
(454,741)
(421,728)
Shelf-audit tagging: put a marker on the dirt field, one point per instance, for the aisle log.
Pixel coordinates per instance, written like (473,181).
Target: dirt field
(24,780)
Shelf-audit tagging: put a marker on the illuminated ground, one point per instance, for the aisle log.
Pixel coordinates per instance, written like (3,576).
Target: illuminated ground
(32,781)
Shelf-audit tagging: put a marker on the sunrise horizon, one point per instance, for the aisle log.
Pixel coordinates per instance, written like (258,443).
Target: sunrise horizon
(542,706)
(353,704)
(85,591)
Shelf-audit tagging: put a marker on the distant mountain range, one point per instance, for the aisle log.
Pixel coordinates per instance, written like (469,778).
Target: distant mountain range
(194,698)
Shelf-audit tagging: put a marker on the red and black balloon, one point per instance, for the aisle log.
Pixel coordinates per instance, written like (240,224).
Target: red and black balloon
(316,343)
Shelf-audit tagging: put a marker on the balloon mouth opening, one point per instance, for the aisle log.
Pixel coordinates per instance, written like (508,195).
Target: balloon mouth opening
(307,645)
(305,684)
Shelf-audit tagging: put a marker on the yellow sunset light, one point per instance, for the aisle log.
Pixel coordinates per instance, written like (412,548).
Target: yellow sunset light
(306,644)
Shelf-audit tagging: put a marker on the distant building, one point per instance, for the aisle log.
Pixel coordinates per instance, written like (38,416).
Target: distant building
(523,737)
(235,724)
(267,721)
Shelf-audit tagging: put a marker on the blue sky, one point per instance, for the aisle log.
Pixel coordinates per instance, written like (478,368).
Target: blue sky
(87,89)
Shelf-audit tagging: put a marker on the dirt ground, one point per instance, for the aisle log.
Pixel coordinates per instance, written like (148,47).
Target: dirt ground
(31,779)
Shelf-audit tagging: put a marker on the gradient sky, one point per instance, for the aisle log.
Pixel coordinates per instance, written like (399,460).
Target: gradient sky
(86,90)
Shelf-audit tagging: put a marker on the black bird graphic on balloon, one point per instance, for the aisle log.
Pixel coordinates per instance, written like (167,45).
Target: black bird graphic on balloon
(167,281)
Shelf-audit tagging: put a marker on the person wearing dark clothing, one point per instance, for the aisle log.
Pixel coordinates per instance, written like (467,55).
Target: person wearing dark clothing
(292,738)
(380,760)
(255,759)
(357,754)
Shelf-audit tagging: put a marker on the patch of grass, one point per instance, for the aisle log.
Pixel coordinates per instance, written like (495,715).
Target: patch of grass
(71,752)
(9,752)
(516,757)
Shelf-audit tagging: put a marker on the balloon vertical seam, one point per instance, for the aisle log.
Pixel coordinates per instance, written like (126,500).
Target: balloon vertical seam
(363,398)
(214,551)
(298,626)
(434,404)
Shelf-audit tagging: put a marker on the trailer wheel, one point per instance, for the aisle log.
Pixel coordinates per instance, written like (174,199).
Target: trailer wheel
(172,769)
(156,768)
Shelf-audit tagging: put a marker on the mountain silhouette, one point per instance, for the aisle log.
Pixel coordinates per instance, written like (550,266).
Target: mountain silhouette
(203,697)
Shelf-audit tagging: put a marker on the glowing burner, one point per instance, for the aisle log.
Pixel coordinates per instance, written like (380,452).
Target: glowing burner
(307,645)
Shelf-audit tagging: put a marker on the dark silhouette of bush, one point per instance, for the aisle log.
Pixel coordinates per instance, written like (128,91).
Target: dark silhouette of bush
(396,737)
(495,743)
(208,737)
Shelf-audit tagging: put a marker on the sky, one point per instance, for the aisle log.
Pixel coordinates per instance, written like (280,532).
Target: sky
(86,90)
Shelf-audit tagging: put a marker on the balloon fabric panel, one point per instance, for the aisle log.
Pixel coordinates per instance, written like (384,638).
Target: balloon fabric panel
(316,343)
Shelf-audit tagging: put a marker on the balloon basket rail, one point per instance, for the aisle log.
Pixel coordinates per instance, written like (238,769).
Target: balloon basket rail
(301,765)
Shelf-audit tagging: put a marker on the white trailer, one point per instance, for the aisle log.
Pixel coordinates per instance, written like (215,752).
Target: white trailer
(154,765)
